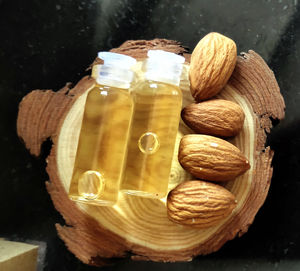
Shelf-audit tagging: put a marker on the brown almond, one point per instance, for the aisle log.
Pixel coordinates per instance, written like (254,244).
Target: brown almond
(212,63)
(214,117)
(199,204)
(211,158)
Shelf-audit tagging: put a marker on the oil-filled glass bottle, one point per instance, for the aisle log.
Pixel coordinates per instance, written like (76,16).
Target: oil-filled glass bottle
(102,144)
(158,102)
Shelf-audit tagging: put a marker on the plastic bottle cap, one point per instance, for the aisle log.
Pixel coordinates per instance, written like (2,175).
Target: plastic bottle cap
(118,59)
(116,70)
(164,67)
(163,55)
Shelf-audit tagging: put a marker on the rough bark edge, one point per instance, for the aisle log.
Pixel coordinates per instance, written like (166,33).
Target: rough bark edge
(139,48)
(43,108)
(97,253)
(40,112)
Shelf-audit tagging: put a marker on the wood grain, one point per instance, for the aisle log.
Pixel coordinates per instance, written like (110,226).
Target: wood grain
(140,226)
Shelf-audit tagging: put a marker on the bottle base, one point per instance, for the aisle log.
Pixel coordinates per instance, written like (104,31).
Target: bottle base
(95,202)
(143,194)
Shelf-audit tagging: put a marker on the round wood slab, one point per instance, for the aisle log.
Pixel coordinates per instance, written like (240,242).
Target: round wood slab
(136,225)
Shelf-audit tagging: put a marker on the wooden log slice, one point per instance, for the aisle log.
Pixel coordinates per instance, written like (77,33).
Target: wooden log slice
(136,226)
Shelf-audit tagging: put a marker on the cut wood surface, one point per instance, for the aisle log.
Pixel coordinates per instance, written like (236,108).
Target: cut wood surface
(16,256)
(136,226)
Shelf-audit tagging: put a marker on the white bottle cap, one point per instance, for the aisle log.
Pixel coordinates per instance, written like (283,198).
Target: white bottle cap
(164,67)
(116,70)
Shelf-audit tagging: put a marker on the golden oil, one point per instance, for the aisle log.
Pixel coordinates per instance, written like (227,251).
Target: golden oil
(151,145)
(103,138)
(157,106)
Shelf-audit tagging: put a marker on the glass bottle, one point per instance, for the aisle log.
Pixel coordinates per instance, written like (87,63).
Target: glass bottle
(102,144)
(158,102)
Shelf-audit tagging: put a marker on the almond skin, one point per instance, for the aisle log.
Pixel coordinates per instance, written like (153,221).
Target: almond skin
(211,158)
(199,204)
(214,117)
(212,63)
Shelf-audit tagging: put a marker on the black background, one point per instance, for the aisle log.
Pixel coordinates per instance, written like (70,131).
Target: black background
(44,44)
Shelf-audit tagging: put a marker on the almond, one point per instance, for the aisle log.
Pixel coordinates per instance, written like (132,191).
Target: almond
(212,63)
(199,204)
(214,117)
(211,158)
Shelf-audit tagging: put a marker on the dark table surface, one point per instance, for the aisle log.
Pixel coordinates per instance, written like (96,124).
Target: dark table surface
(47,43)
